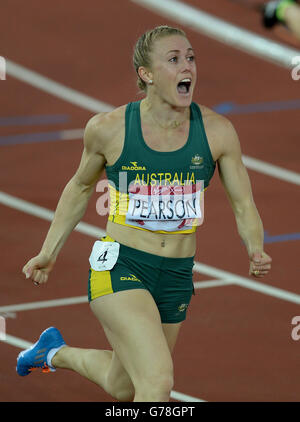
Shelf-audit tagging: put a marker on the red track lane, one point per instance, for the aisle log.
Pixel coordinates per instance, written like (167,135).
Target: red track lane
(236,344)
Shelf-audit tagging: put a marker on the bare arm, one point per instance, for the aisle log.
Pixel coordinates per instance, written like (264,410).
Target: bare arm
(72,204)
(237,185)
(74,199)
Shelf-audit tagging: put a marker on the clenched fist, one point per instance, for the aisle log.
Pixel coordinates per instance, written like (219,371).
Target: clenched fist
(38,268)
(260,264)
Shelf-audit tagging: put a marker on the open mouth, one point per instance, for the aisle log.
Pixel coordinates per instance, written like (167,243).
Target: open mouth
(183,86)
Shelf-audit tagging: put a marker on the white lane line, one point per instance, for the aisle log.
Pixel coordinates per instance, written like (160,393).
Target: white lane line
(44,304)
(271,170)
(70,134)
(17,342)
(250,162)
(247,283)
(207,284)
(24,344)
(213,272)
(45,214)
(91,104)
(184,397)
(223,31)
(83,299)
(54,88)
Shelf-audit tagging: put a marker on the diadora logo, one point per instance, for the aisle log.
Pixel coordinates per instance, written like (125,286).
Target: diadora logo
(183,307)
(132,278)
(134,166)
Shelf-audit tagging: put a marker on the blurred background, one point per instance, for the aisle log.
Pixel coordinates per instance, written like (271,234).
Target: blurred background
(62,62)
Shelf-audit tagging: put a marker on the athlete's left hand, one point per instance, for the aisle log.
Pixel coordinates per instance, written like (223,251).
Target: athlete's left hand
(260,264)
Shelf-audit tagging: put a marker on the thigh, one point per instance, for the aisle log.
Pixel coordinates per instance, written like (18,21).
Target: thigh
(118,378)
(171,332)
(132,324)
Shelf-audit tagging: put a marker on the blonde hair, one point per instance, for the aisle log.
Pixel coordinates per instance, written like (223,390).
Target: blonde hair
(144,45)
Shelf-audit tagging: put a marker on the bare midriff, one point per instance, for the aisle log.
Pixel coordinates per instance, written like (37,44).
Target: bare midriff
(163,244)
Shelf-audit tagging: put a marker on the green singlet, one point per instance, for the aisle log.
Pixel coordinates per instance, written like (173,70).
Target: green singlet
(160,191)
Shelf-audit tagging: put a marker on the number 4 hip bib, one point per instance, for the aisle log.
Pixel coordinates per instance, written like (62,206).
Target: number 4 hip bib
(104,255)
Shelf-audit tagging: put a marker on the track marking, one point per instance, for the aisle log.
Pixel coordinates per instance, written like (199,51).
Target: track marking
(209,283)
(271,170)
(94,106)
(44,304)
(222,31)
(247,283)
(17,342)
(184,397)
(286,237)
(76,300)
(71,134)
(265,107)
(45,214)
(213,272)
(28,138)
(51,87)
(40,119)
(24,344)
(47,85)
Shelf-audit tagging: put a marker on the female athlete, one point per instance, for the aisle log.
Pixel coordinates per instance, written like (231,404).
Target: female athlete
(159,155)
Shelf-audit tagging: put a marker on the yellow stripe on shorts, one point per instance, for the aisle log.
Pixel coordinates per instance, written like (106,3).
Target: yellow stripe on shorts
(100,283)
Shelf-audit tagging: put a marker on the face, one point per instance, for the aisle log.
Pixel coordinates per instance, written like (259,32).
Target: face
(173,70)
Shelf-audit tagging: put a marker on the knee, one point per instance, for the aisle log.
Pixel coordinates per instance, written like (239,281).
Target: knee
(162,384)
(121,387)
(155,387)
(125,393)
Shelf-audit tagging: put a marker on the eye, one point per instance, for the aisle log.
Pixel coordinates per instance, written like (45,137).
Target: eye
(191,58)
(173,59)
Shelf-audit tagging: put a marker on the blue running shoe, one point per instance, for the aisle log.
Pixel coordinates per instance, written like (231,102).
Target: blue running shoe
(37,355)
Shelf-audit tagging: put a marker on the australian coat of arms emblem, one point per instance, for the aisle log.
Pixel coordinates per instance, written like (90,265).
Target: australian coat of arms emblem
(197,160)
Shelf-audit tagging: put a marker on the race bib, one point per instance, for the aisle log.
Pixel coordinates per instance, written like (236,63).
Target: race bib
(104,255)
(166,207)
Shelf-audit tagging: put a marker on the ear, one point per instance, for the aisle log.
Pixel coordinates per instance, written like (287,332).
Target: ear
(145,75)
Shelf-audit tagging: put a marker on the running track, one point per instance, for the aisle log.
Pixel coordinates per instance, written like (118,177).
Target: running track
(236,344)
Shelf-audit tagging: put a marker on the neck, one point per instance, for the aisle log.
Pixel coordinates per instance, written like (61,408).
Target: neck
(164,114)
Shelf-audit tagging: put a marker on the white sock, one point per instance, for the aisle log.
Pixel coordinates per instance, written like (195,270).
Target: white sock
(50,355)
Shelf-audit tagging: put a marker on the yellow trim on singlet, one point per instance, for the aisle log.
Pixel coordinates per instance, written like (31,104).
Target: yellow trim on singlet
(107,239)
(118,208)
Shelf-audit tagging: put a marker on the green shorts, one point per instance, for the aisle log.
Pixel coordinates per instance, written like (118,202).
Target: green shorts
(169,280)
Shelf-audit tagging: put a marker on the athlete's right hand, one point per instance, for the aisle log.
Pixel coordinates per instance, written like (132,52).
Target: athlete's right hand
(38,268)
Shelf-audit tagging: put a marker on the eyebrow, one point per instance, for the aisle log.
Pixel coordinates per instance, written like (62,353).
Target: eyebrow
(178,51)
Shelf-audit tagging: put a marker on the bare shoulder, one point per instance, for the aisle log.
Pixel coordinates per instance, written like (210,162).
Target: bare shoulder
(103,128)
(221,134)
